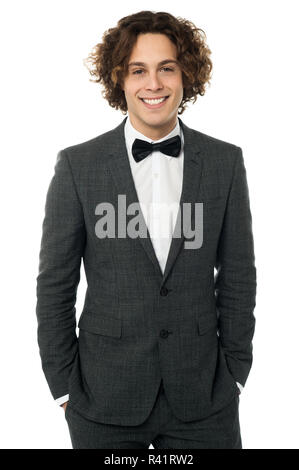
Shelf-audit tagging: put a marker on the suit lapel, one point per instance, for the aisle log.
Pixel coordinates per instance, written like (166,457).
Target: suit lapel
(119,165)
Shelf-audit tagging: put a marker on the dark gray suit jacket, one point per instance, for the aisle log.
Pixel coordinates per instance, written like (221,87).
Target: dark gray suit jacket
(138,325)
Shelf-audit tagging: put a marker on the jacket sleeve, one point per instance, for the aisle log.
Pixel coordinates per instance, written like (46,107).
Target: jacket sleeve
(62,244)
(235,282)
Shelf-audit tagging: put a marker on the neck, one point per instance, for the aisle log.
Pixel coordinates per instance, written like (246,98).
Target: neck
(153,132)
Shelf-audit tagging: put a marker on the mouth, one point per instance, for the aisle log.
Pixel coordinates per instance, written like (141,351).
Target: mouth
(153,103)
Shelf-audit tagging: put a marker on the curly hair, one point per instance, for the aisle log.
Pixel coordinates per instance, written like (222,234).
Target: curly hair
(108,61)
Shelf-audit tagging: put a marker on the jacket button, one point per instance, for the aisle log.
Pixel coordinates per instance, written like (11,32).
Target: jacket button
(164,333)
(164,291)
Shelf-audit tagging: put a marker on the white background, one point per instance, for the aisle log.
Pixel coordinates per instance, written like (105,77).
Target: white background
(48,103)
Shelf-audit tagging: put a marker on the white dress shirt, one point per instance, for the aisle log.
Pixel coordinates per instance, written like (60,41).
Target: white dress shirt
(158,180)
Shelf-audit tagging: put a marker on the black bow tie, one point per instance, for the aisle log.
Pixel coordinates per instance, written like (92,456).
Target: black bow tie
(141,149)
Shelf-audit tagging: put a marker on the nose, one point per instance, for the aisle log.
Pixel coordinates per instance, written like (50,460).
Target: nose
(153,82)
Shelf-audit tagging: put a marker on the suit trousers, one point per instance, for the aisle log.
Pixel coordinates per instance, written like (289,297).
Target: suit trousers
(162,429)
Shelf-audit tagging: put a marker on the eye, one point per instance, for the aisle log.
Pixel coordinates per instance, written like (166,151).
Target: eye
(167,69)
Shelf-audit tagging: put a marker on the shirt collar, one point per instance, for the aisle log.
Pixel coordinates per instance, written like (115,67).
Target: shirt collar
(131,134)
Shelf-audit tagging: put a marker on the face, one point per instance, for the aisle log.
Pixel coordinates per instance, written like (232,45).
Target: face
(155,76)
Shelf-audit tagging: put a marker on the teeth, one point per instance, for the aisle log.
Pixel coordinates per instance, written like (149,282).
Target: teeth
(154,101)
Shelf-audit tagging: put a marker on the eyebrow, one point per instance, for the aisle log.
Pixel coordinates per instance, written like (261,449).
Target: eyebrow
(163,62)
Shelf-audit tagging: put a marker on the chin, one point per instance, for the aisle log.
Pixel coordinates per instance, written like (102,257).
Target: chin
(155,121)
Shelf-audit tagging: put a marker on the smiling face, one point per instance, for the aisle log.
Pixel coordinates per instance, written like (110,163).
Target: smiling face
(153,73)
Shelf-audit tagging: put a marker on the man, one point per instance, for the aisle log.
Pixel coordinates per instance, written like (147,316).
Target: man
(164,348)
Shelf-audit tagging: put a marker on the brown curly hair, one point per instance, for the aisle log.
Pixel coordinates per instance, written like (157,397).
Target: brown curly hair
(109,59)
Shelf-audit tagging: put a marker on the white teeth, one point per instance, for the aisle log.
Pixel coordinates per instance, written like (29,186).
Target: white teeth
(154,101)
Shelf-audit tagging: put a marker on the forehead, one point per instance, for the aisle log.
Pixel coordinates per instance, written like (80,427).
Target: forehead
(152,48)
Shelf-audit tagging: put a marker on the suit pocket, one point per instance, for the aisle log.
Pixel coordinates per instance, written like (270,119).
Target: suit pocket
(100,325)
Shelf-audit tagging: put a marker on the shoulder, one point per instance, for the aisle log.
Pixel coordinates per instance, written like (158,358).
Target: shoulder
(217,152)
(213,142)
(89,148)
(207,142)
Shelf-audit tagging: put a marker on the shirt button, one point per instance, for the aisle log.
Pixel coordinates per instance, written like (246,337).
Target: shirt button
(156,175)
